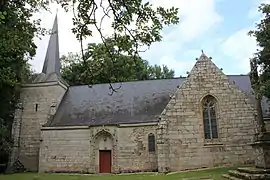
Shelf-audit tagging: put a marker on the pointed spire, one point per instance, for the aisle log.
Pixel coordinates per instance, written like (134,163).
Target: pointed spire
(52,59)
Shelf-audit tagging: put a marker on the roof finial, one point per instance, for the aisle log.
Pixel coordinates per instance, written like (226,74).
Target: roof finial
(203,55)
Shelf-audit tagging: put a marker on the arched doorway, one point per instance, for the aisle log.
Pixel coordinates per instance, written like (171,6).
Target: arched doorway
(104,148)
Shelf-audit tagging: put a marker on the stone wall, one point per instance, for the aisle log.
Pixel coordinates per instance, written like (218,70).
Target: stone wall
(133,154)
(181,142)
(76,149)
(65,150)
(38,102)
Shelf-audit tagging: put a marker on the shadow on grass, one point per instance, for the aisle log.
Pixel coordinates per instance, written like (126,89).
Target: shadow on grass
(214,174)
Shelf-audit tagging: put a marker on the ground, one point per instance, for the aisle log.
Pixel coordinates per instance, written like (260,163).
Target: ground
(214,174)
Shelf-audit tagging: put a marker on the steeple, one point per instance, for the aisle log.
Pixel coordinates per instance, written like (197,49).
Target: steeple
(52,59)
(51,66)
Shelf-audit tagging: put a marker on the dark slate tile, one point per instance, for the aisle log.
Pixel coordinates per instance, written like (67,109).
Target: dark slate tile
(134,102)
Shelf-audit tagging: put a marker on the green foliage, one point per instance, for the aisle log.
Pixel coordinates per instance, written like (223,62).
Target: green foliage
(135,24)
(158,72)
(2,16)
(261,59)
(16,47)
(98,66)
(147,20)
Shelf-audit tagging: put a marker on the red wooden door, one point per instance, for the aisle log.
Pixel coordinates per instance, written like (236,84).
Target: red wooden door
(105,161)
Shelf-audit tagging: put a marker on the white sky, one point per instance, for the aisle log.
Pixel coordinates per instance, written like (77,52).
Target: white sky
(196,18)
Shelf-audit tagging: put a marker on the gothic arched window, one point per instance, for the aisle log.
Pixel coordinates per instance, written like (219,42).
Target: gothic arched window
(151,143)
(209,117)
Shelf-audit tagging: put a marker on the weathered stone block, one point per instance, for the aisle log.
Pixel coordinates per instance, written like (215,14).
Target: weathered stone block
(262,150)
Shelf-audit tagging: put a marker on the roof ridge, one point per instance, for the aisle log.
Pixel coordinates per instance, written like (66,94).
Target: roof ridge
(148,80)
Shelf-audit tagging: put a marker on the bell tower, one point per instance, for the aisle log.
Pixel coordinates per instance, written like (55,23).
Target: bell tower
(35,108)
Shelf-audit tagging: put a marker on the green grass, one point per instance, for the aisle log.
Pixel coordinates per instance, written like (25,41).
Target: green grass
(188,175)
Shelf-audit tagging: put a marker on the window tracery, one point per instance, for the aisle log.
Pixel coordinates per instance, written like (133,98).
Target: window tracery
(209,117)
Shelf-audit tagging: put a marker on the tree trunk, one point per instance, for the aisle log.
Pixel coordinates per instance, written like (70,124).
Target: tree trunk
(260,119)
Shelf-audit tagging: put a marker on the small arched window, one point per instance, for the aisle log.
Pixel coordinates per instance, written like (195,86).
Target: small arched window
(209,117)
(151,143)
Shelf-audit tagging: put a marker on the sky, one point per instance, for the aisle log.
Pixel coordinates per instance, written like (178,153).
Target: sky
(218,27)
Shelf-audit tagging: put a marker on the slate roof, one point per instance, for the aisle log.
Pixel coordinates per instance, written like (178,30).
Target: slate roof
(51,67)
(135,102)
(52,61)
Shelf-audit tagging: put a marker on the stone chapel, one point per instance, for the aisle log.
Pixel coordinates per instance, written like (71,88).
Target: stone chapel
(203,120)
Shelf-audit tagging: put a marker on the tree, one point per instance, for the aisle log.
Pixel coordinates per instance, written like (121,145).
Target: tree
(16,47)
(157,72)
(146,21)
(136,24)
(103,70)
(261,61)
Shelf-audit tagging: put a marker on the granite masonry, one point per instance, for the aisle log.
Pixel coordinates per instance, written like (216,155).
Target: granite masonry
(185,141)
(204,120)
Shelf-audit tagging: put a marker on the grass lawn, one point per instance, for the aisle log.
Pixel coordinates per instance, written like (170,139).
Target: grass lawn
(214,174)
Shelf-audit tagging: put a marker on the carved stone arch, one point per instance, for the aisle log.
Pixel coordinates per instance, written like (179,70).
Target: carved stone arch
(102,132)
(103,141)
(217,100)
(209,95)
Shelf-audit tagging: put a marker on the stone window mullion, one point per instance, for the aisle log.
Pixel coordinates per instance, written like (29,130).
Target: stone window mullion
(209,117)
